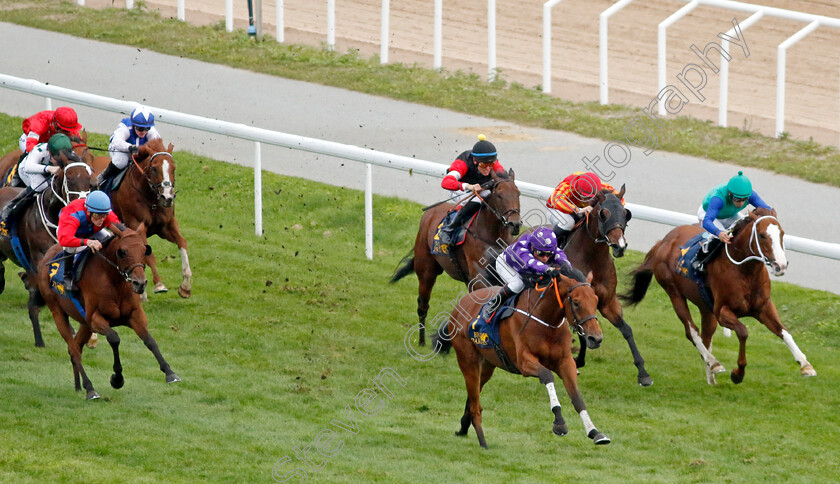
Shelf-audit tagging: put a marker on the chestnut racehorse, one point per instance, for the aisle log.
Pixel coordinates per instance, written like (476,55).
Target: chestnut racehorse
(588,249)
(147,195)
(36,228)
(498,218)
(738,281)
(536,340)
(110,284)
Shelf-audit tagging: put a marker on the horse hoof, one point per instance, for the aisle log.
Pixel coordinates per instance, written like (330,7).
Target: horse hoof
(39,344)
(93,341)
(808,370)
(458,433)
(601,439)
(117,381)
(184,293)
(645,381)
(717,368)
(172,378)
(560,429)
(736,378)
(159,288)
(92,395)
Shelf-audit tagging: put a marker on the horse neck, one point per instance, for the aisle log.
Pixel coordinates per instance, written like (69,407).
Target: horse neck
(546,307)
(489,227)
(139,182)
(582,241)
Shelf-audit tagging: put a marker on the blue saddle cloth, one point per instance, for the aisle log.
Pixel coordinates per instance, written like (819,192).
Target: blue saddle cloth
(486,334)
(56,266)
(688,253)
(20,254)
(438,248)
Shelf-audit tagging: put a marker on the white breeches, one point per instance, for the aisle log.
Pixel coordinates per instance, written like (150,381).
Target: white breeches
(37,181)
(119,159)
(721,223)
(510,276)
(563,220)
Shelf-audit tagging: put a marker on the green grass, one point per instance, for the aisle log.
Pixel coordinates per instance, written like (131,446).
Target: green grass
(285,330)
(458,91)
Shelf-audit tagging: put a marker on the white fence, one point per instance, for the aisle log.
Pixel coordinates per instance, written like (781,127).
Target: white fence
(347,152)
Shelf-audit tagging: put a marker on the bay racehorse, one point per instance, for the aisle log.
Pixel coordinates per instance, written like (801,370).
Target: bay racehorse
(737,279)
(497,219)
(536,340)
(147,195)
(110,284)
(36,229)
(588,249)
(9,160)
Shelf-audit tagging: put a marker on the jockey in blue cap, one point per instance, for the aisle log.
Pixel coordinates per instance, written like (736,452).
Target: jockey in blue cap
(534,253)
(132,132)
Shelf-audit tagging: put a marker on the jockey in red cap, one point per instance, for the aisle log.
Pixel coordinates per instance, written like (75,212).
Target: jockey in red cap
(40,127)
(573,198)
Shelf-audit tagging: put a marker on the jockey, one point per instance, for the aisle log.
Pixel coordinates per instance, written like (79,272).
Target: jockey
(78,221)
(131,133)
(721,208)
(466,174)
(571,199)
(40,127)
(533,253)
(35,168)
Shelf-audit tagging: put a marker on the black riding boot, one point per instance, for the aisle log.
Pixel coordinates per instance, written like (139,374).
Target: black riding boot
(699,263)
(498,299)
(15,206)
(562,234)
(68,272)
(110,171)
(466,212)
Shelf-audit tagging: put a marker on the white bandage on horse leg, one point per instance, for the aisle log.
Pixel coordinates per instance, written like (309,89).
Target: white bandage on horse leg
(587,422)
(552,395)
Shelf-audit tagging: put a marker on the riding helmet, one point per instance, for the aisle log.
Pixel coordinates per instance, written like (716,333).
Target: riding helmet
(98,202)
(739,185)
(484,151)
(66,119)
(142,118)
(544,239)
(58,143)
(586,185)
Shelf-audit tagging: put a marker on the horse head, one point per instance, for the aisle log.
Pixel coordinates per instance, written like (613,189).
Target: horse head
(80,146)
(129,253)
(760,235)
(158,168)
(580,304)
(74,178)
(612,219)
(503,200)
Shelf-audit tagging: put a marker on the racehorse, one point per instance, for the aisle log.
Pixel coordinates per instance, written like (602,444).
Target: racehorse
(536,341)
(588,249)
(36,229)
(110,283)
(147,195)
(498,218)
(739,285)
(80,147)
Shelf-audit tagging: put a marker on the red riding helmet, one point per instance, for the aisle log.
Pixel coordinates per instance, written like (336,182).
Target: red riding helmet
(65,118)
(586,185)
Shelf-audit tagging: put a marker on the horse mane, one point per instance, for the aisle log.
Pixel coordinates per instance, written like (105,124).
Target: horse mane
(154,146)
(572,273)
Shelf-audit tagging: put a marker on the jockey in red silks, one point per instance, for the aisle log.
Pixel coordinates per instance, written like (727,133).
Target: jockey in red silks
(572,199)
(40,127)
(466,175)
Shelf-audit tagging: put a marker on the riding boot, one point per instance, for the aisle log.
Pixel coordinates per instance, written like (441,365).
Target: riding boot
(14,207)
(110,171)
(68,272)
(699,263)
(466,212)
(562,234)
(498,299)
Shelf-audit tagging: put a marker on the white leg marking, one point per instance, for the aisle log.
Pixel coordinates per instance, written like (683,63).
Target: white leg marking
(185,264)
(552,395)
(587,422)
(707,356)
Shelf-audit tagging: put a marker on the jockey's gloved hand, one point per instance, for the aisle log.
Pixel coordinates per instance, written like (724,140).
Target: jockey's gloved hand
(52,170)
(552,272)
(133,149)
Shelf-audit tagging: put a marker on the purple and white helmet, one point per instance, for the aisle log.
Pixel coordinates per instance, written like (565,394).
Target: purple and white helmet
(544,240)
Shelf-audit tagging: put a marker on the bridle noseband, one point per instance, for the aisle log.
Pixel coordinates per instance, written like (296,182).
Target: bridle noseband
(578,323)
(160,188)
(502,216)
(754,237)
(126,274)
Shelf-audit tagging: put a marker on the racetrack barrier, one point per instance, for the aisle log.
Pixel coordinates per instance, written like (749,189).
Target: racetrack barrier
(347,152)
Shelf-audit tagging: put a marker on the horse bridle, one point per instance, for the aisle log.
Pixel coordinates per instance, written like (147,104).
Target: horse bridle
(42,211)
(160,187)
(754,237)
(578,327)
(502,216)
(125,273)
(578,323)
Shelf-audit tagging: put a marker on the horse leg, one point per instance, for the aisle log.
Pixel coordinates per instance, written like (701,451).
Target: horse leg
(770,317)
(707,330)
(140,326)
(426,275)
(33,305)
(613,312)
(580,359)
(566,369)
(2,274)
(172,233)
(469,360)
(66,331)
(728,319)
(530,366)
(102,326)
(693,335)
(159,287)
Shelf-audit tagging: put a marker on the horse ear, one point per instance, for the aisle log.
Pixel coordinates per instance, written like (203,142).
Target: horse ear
(621,192)
(141,229)
(627,215)
(589,277)
(511,174)
(170,148)
(83,135)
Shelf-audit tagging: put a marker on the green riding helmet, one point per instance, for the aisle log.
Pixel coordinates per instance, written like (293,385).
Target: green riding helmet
(739,186)
(58,143)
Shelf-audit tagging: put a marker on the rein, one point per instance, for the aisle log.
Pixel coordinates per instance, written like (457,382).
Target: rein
(154,188)
(125,273)
(753,237)
(578,328)
(42,211)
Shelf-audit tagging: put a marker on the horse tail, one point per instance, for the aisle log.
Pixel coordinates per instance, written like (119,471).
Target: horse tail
(641,280)
(442,339)
(404,268)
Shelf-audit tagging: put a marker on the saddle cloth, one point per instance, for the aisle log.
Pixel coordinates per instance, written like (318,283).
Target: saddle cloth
(688,253)
(486,334)
(458,237)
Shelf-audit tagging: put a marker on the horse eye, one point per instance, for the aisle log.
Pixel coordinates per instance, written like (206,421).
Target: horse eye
(121,253)
(763,236)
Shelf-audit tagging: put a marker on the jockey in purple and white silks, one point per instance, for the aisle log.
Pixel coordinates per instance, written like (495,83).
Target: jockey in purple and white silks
(131,133)
(534,253)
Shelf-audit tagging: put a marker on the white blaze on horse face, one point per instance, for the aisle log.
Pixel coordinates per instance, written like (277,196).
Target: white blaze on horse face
(167,187)
(775,235)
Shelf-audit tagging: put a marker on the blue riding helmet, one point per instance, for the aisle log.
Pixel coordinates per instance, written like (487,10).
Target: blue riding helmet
(98,202)
(544,240)
(142,118)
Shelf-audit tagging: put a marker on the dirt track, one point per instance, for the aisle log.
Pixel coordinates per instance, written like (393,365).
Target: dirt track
(813,72)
